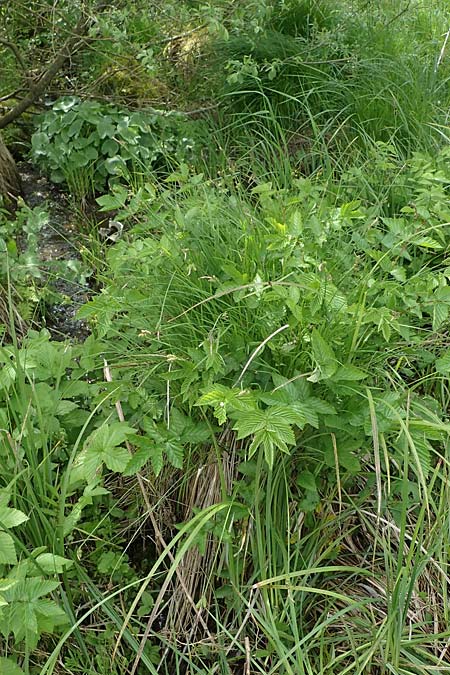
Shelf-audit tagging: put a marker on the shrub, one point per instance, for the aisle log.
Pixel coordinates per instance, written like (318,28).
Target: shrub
(89,145)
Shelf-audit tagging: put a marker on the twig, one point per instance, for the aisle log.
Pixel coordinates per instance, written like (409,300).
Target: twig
(441,54)
(258,349)
(397,16)
(13,94)
(17,54)
(247,656)
(173,38)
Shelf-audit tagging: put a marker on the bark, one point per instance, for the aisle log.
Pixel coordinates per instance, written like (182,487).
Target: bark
(10,187)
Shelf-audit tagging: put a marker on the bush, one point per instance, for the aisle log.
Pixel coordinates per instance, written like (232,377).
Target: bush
(89,145)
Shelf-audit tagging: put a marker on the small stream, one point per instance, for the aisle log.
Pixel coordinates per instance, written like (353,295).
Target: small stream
(59,241)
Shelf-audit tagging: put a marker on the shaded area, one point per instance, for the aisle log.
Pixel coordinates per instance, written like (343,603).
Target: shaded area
(59,242)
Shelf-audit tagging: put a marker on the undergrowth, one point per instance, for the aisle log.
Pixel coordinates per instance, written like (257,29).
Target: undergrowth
(244,468)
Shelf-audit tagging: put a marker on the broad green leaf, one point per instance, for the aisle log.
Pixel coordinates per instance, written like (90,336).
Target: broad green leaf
(116,200)
(320,406)
(442,294)
(7,549)
(66,103)
(49,615)
(324,356)
(157,459)
(307,410)
(222,399)
(307,481)
(21,620)
(440,314)
(105,127)
(107,437)
(110,147)
(6,584)
(116,458)
(399,273)
(443,363)
(427,242)
(11,517)
(174,452)
(348,459)
(53,564)
(8,667)
(64,407)
(86,466)
(139,459)
(349,373)
(249,423)
(30,589)
(270,428)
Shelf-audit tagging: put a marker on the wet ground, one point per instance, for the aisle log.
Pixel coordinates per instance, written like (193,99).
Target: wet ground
(58,248)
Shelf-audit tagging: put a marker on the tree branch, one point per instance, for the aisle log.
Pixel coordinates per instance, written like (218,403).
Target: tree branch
(17,54)
(40,85)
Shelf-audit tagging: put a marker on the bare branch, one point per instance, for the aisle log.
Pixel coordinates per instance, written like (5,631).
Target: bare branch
(41,84)
(13,94)
(17,54)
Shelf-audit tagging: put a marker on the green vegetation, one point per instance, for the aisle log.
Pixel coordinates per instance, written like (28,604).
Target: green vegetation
(245,467)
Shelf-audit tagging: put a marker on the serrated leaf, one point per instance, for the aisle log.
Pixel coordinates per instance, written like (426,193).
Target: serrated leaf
(103,447)
(116,458)
(53,564)
(21,620)
(222,398)
(334,299)
(7,549)
(321,406)
(175,453)
(108,436)
(249,423)
(399,273)
(440,314)
(423,452)
(349,373)
(64,407)
(49,615)
(30,589)
(270,428)
(6,584)
(308,411)
(348,460)
(427,242)
(138,460)
(324,356)
(157,459)
(86,466)
(11,517)
(443,363)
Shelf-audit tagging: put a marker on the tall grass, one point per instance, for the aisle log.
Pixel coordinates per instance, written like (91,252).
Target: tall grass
(327,80)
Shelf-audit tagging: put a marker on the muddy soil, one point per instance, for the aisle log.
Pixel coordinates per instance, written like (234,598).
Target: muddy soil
(59,240)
